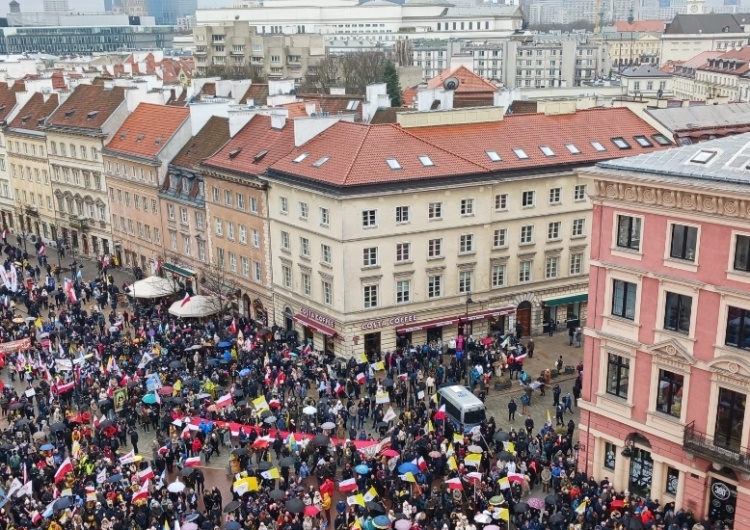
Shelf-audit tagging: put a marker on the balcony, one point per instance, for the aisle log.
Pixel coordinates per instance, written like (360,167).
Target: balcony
(703,445)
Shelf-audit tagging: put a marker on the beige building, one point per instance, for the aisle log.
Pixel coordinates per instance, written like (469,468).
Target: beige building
(235,44)
(136,162)
(415,232)
(29,169)
(7,195)
(632,49)
(76,134)
(688,35)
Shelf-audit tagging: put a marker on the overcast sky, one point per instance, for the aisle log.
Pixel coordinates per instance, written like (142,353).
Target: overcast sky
(94,5)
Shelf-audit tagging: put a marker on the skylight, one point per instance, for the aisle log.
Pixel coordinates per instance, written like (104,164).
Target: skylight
(703,156)
(260,155)
(573,149)
(520,153)
(353,104)
(493,156)
(643,141)
(300,158)
(598,146)
(320,161)
(621,143)
(393,163)
(547,150)
(661,139)
(426,161)
(234,152)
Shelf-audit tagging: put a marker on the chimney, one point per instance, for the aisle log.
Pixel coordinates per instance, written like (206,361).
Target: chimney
(338,91)
(278,120)
(309,107)
(306,129)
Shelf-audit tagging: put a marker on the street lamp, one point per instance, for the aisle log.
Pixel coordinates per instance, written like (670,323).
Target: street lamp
(466,319)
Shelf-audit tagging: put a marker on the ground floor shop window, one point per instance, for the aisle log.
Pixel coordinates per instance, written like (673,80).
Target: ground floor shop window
(434,335)
(641,471)
(372,342)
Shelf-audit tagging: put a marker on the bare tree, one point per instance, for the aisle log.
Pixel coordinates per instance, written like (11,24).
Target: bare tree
(404,52)
(327,75)
(221,287)
(352,71)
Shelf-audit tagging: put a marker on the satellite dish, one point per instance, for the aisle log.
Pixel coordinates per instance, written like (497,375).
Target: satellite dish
(450,84)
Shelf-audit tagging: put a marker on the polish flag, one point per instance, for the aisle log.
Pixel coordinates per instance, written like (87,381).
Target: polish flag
(360,378)
(421,464)
(65,468)
(307,349)
(348,485)
(65,387)
(440,414)
(192,462)
(454,484)
(185,300)
(142,494)
(521,358)
(339,388)
(233,328)
(146,474)
(224,401)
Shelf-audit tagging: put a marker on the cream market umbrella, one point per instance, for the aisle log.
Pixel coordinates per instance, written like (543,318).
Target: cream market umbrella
(153,287)
(197,306)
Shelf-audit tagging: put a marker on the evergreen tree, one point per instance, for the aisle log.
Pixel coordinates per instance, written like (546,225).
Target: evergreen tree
(393,85)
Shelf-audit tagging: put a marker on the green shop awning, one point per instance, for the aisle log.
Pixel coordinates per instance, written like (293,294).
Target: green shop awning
(175,269)
(567,300)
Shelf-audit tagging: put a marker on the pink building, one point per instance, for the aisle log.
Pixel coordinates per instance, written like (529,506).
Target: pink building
(664,408)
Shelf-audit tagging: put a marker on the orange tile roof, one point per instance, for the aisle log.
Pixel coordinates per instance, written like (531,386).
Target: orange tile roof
(358,153)
(295,110)
(258,92)
(531,131)
(7,101)
(88,107)
(256,147)
(646,26)
(468,81)
(213,135)
(741,56)
(148,129)
(31,116)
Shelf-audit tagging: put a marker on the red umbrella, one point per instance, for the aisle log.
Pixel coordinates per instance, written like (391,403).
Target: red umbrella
(617,503)
(260,443)
(390,453)
(311,510)
(165,390)
(486,341)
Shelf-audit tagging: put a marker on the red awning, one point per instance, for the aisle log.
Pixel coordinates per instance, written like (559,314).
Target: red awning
(447,321)
(492,313)
(317,326)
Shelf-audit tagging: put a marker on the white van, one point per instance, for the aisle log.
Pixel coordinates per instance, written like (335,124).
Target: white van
(463,407)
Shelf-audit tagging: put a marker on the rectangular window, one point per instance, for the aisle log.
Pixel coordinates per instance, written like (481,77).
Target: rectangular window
(306,285)
(677,310)
(498,275)
(629,232)
(527,234)
(501,202)
(303,210)
(555,195)
(465,281)
(245,266)
(579,192)
(257,271)
(673,481)
(369,218)
(215,194)
(253,205)
(304,247)
(370,257)
(435,248)
(553,231)
(466,243)
(327,292)
(500,238)
(467,206)
(157,237)
(370,296)
(283,205)
(325,254)
(434,286)
(578,228)
(435,210)
(243,234)
(325,217)
(186,245)
(524,271)
(618,375)
(527,199)
(576,263)
(551,267)
(402,214)
(219,227)
(184,215)
(623,299)
(286,275)
(155,209)
(610,455)
(240,201)
(684,242)
(173,242)
(403,291)
(256,238)
(403,252)
(285,241)
(230,231)
(738,328)
(669,393)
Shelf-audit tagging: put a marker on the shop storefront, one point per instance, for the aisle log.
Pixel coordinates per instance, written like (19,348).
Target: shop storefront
(317,328)
(565,312)
(373,331)
(479,323)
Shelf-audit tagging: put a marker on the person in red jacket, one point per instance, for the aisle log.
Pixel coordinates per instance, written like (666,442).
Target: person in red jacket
(197,446)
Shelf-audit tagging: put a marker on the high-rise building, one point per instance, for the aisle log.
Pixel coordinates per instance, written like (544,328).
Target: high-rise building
(167,12)
(56,6)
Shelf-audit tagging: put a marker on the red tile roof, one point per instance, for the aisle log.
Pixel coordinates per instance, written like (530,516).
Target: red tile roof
(468,81)
(88,107)
(7,101)
(177,101)
(213,135)
(646,26)
(358,155)
(31,116)
(734,62)
(245,152)
(148,129)
(531,131)
(258,92)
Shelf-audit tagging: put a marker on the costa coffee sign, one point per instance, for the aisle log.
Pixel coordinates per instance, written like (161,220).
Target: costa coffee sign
(387,322)
(317,317)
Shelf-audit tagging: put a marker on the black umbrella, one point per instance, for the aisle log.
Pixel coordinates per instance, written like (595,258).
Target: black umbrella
(232,506)
(179,400)
(505,456)
(114,478)
(557,518)
(233,525)
(265,414)
(634,523)
(287,461)
(277,494)
(192,517)
(242,403)
(502,436)
(187,471)
(264,466)
(57,427)
(238,393)
(16,406)
(269,420)
(551,499)
(106,423)
(7,447)
(104,403)
(23,422)
(387,383)
(295,506)
(400,516)
(375,507)
(320,440)
(240,451)
(382,424)
(520,507)
(63,502)
(176,364)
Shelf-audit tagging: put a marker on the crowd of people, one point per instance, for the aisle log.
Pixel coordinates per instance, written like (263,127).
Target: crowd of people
(310,441)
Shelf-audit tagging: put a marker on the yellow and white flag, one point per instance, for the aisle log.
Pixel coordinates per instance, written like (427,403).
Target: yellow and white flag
(371,494)
(272,473)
